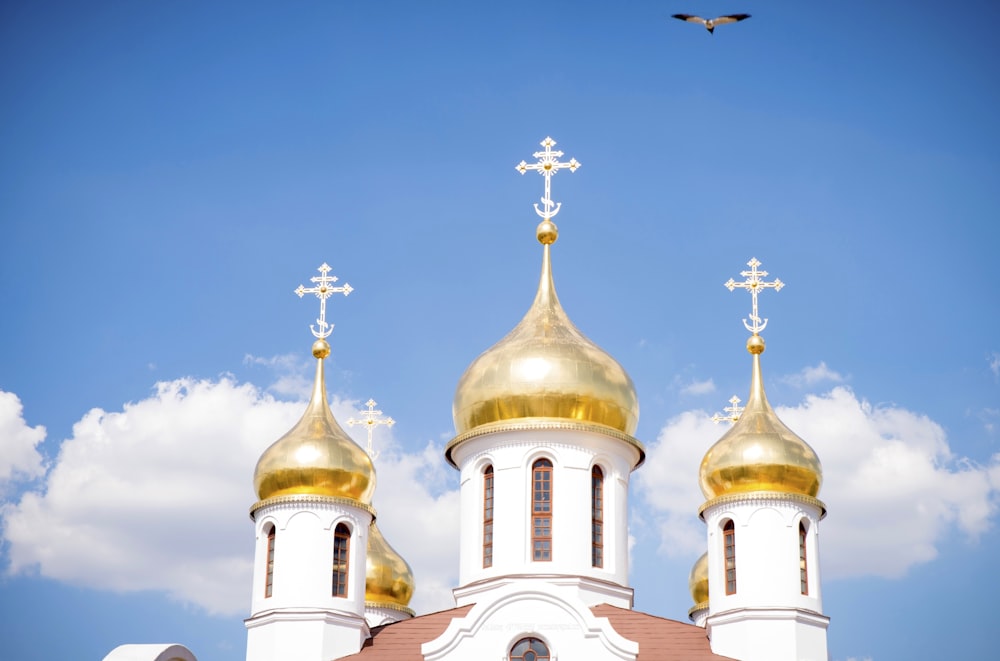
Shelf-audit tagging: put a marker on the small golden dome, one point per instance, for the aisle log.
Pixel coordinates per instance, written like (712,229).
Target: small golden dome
(759,453)
(316,457)
(388,578)
(698,580)
(546,368)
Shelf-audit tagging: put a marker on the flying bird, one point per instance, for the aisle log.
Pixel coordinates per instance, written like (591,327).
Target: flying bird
(710,23)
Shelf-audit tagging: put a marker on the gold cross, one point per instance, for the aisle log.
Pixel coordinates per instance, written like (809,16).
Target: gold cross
(754,285)
(734,412)
(371,421)
(323,290)
(548,164)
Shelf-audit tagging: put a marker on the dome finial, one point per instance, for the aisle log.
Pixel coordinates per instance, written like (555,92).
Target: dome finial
(545,371)
(759,453)
(548,164)
(323,290)
(370,419)
(317,457)
(754,285)
(732,412)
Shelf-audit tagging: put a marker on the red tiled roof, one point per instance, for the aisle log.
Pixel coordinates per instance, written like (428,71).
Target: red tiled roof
(659,638)
(401,641)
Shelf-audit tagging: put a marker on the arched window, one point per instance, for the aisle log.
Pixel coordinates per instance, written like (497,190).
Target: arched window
(341,549)
(529,649)
(541,510)
(488,517)
(803,569)
(269,566)
(597,517)
(729,544)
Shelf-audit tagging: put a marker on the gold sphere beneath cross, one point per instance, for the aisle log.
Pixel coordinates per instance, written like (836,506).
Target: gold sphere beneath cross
(547,232)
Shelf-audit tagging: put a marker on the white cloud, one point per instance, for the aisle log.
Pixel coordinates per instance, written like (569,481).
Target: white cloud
(19,458)
(810,376)
(994,362)
(292,374)
(699,387)
(891,484)
(155,497)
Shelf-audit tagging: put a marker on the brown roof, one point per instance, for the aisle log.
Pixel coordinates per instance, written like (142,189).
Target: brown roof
(401,641)
(659,638)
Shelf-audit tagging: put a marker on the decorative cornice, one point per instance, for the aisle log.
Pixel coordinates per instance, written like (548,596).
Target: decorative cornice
(703,606)
(309,499)
(759,496)
(544,424)
(391,607)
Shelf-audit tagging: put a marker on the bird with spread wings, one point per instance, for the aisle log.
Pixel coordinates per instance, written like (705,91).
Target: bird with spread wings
(710,23)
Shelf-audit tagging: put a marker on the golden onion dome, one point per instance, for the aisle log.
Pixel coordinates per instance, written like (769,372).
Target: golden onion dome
(546,368)
(698,580)
(388,578)
(316,457)
(759,453)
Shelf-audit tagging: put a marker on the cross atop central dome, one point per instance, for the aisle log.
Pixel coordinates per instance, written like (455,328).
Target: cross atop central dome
(545,369)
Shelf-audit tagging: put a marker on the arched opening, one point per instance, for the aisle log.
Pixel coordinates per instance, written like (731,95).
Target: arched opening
(488,517)
(530,649)
(541,510)
(597,517)
(269,563)
(803,565)
(341,551)
(729,546)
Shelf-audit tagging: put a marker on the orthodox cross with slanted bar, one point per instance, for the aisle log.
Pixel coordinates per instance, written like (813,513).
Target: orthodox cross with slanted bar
(754,285)
(548,164)
(732,412)
(371,420)
(323,290)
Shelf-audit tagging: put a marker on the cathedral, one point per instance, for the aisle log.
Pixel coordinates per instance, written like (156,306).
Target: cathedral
(544,445)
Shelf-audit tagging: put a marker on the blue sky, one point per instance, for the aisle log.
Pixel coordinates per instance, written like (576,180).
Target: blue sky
(172,171)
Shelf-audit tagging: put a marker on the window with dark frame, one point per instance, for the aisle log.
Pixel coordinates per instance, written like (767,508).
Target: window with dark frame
(541,510)
(803,569)
(597,517)
(488,517)
(341,549)
(269,566)
(729,544)
(530,649)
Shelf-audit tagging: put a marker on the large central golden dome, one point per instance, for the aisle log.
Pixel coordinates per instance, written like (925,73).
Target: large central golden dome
(316,457)
(546,368)
(759,453)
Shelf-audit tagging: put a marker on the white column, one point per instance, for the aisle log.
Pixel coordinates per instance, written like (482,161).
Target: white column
(767,618)
(301,618)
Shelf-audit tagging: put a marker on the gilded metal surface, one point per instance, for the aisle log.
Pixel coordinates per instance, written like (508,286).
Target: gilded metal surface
(759,453)
(545,368)
(316,456)
(388,579)
(698,580)
(754,285)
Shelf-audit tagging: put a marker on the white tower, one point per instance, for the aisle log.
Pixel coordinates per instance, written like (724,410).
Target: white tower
(544,422)
(312,522)
(761,482)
